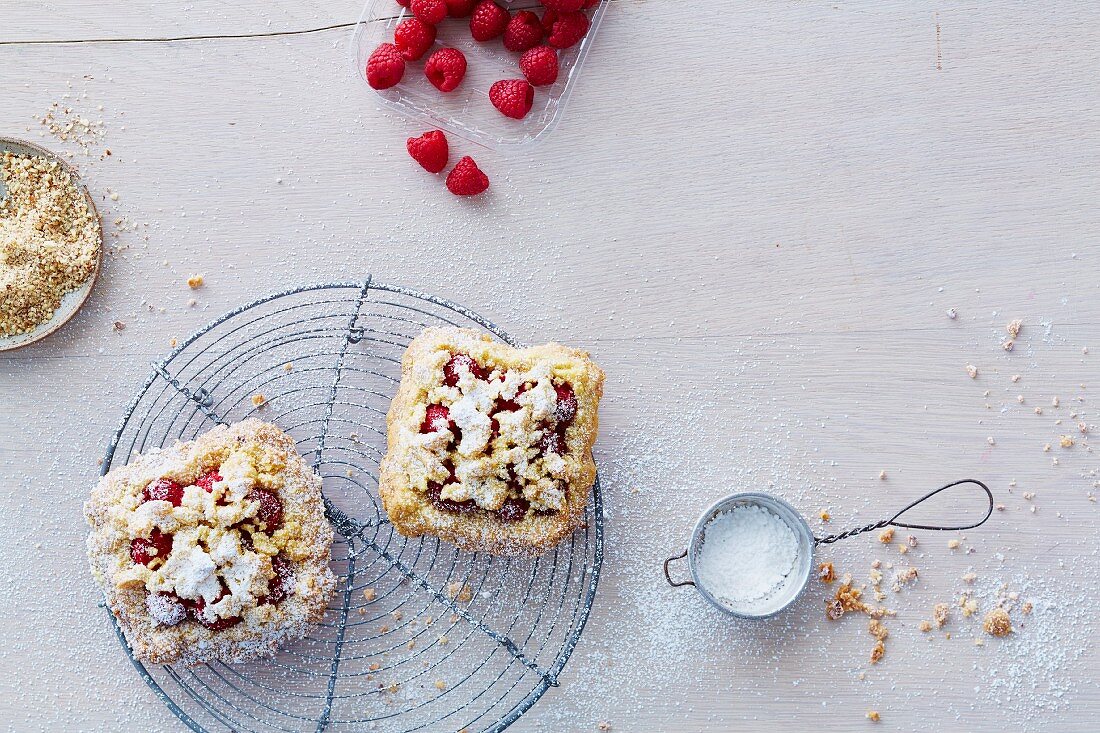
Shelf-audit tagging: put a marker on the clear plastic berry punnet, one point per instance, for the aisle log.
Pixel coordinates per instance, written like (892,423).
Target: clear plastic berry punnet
(467,111)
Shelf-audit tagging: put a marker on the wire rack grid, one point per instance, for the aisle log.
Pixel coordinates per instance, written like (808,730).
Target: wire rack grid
(419,636)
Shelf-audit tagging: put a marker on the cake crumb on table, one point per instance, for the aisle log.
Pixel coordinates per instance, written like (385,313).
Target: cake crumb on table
(826,572)
(459,592)
(873,716)
(604,725)
(972,371)
(195,281)
(886,536)
(1013,327)
(940,614)
(258,400)
(953,544)
(997,623)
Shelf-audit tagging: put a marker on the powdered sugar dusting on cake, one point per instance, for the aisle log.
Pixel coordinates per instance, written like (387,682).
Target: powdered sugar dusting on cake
(165,609)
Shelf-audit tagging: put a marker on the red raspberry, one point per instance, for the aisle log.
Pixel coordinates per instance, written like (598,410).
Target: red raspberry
(445,69)
(466,179)
(451,368)
(566,408)
(270,514)
(197,606)
(429,150)
(385,67)
(553,443)
(208,479)
(163,490)
(277,586)
(524,31)
(460,8)
(413,37)
(429,11)
(564,6)
(142,551)
(436,417)
(565,29)
(403,3)
(488,21)
(513,509)
(591,3)
(539,65)
(513,97)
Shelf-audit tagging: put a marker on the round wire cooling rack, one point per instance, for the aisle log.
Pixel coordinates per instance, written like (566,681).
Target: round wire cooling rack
(419,636)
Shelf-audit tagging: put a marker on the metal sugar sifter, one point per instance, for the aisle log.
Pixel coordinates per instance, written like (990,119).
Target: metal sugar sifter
(795,581)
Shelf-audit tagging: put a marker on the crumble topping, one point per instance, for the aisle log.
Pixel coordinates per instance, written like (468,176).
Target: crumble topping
(212,549)
(488,435)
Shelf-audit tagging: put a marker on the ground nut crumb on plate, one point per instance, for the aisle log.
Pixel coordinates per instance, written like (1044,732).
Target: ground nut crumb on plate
(50,240)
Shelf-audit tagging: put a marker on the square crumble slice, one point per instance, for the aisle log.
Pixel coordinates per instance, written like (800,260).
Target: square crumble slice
(215,549)
(489,446)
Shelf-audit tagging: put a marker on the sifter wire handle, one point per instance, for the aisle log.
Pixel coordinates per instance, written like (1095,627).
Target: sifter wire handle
(893,521)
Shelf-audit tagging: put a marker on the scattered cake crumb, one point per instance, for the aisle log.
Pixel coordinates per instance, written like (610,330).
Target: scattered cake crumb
(926,625)
(195,281)
(873,716)
(940,614)
(370,594)
(459,592)
(258,400)
(972,371)
(1013,327)
(953,544)
(997,623)
(886,536)
(826,572)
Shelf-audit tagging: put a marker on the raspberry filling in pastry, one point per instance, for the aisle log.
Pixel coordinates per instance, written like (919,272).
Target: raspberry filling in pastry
(208,569)
(493,439)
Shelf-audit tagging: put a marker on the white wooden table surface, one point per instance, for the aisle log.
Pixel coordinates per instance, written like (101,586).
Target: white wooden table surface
(755,214)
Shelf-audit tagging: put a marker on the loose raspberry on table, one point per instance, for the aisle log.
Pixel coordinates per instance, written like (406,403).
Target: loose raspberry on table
(445,69)
(565,29)
(385,67)
(564,6)
(524,31)
(488,21)
(513,97)
(466,179)
(460,8)
(429,11)
(540,65)
(430,150)
(163,490)
(413,37)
